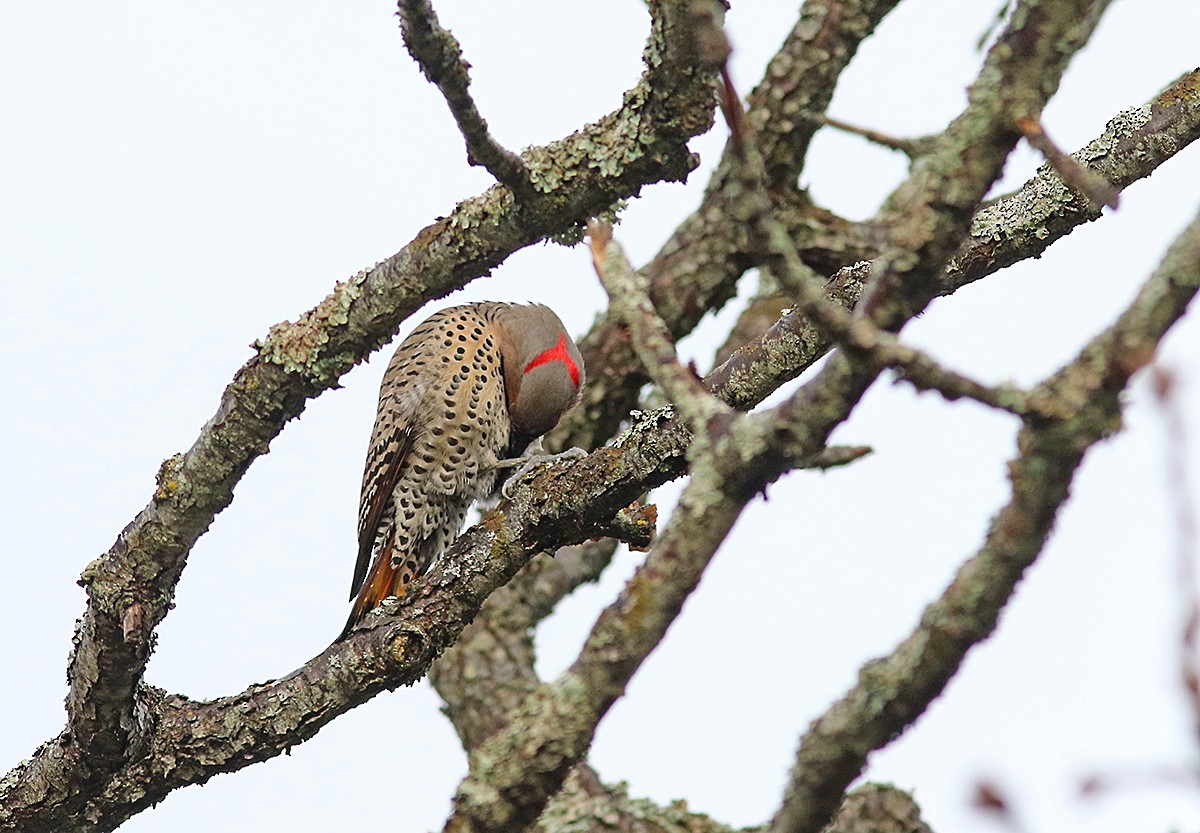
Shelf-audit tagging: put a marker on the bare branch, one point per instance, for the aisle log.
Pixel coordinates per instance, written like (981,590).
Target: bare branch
(801,79)
(489,671)
(439,55)
(1133,145)
(892,692)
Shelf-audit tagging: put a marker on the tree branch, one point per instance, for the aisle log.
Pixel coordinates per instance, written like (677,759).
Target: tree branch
(927,217)
(515,772)
(111,717)
(629,301)
(189,741)
(1078,178)
(1045,210)
(892,692)
(440,58)
(697,269)
(489,671)
(1004,232)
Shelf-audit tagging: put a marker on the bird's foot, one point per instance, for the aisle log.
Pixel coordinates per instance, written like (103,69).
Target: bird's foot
(524,465)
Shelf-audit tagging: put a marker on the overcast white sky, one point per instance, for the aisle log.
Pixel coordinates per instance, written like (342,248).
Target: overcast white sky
(175,178)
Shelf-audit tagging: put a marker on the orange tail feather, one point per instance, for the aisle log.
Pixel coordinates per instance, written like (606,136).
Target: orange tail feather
(382,581)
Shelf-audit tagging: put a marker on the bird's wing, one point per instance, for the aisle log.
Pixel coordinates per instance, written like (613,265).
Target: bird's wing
(396,428)
(382,480)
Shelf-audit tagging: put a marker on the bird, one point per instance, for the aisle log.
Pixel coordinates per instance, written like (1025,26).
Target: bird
(469,390)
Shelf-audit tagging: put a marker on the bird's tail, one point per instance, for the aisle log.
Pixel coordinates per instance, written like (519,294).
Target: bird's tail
(382,580)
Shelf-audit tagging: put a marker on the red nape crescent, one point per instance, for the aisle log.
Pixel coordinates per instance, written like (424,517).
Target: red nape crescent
(557,353)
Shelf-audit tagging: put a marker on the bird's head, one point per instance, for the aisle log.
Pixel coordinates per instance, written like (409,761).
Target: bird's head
(543,370)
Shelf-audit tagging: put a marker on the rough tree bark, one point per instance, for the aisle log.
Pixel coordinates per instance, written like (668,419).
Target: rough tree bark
(834,285)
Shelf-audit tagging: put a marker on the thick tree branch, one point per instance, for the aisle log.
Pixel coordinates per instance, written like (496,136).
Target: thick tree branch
(894,691)
(697,269)
(1044,210)
(517,769)
(490,669)
(515,772)
(190,741)
(801,78)
(574,178)
(928,216)
(1009,230)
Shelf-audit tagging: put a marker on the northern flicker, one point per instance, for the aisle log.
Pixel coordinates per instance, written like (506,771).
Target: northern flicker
(471,386)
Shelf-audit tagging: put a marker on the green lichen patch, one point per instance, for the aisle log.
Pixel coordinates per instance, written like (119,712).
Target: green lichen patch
(300,346)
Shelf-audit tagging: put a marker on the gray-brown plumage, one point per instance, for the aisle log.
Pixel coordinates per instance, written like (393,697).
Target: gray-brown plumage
(470,386)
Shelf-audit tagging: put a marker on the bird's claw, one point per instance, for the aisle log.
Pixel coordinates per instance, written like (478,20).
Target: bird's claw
(527,464)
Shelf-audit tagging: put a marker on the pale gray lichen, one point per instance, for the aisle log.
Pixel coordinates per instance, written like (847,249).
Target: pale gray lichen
(642,423)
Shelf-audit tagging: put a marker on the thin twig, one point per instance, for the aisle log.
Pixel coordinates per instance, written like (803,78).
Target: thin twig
(1087,182)
(1166,391)
(857,334)
(651,339)
(912,148)
(439,55)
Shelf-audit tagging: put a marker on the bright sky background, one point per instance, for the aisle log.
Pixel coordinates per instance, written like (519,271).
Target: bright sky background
(175,178)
